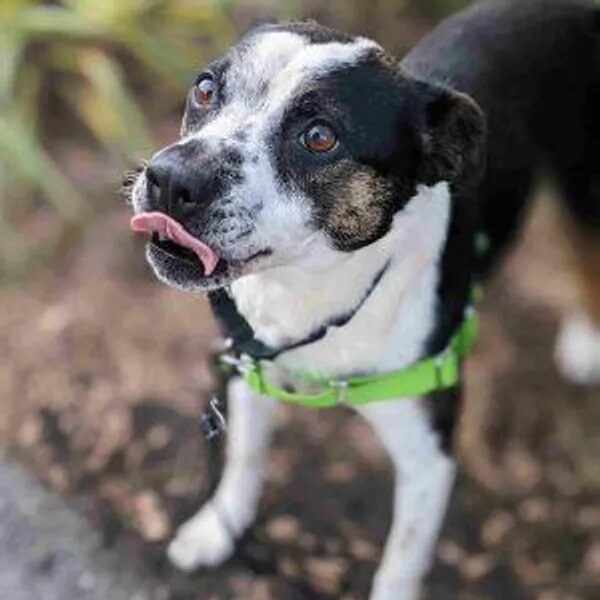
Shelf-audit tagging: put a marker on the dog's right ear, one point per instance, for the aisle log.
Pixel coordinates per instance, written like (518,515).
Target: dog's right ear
(453,137)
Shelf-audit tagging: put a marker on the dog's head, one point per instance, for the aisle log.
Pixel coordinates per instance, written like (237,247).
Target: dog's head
(299,144)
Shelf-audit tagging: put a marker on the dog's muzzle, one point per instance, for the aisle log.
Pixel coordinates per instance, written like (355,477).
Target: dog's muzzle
(180,180)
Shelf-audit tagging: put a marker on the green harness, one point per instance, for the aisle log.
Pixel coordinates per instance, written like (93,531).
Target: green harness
(429,375)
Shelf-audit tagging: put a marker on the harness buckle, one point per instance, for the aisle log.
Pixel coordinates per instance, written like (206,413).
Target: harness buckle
(243,364)
(342,390)
(442,375)
(438,365)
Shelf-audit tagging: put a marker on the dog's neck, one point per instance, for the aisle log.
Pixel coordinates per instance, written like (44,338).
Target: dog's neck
(391,327)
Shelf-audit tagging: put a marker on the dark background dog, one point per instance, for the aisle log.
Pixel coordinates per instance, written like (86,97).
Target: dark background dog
(105,380)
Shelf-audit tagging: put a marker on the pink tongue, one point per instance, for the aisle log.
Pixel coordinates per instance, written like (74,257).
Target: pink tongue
(157,222)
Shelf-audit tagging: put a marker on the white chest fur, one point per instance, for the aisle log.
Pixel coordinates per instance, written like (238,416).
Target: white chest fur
(388,332)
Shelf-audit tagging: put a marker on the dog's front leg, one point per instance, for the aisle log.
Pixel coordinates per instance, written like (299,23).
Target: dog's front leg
(424,477)
(208,538)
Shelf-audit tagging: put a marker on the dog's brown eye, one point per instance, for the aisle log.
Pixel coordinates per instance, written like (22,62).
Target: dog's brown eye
(204,92)
(319,138)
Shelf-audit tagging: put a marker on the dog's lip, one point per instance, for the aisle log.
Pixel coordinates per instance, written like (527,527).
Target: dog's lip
(226,271)
(165,226)
(222,263)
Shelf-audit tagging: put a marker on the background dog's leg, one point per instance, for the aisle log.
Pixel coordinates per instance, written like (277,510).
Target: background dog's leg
(208,538)
(424,477)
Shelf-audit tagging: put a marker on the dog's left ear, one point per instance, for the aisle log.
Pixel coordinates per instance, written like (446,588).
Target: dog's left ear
(453,138)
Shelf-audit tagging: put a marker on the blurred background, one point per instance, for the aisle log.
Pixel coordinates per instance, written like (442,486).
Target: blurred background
(103,371)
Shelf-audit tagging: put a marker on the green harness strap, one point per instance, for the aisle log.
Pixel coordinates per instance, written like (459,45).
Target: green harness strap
(424,377)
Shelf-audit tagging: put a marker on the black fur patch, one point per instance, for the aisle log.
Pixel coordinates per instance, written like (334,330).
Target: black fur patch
(534,69)
(394,133)
(453,140)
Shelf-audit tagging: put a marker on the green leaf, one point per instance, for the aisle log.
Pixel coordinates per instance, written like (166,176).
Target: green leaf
(11,49)
(51,21)
(23,155)
(108,108)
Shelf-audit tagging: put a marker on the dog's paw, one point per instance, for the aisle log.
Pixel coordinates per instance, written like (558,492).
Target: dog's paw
(578,350)
(203,541)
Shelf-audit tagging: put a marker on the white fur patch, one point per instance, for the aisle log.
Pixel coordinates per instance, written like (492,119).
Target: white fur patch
(264,76)
(201,541)
(208,538)
(274,66)
(578,350)
(423,483)
(289,303)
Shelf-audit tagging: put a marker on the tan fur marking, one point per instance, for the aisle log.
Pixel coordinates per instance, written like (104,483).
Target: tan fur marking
(585,247)
(360,206)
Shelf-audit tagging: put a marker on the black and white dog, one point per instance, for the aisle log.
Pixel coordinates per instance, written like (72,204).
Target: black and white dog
(328,198)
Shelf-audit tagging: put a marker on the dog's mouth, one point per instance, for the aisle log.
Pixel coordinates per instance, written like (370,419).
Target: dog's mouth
(181,253)
(169,238)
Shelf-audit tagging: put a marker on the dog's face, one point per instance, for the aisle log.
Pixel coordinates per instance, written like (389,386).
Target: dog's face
(299,144)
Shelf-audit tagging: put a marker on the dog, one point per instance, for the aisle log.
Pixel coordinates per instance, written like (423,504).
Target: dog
(337,206)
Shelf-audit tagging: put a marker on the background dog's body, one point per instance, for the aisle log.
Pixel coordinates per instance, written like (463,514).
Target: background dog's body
(404,198)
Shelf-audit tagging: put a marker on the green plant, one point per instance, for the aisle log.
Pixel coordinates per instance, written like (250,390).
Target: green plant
(81,54)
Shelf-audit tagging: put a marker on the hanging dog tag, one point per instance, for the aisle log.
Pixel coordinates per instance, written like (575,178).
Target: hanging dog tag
(212,421)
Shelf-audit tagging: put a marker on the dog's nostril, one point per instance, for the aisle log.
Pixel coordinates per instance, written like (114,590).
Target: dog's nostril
(169,190)
(184,199)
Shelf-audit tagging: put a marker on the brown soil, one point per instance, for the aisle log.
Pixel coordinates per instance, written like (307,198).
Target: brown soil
(104,376)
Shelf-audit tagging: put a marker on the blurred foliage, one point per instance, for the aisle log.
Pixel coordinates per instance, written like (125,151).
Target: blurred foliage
(80,60)
(93,74)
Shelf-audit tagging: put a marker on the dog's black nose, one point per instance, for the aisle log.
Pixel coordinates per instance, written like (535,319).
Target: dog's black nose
(168,187)
(179,179)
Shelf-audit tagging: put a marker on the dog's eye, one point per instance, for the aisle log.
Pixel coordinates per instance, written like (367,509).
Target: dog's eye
(319,137)
(205,91)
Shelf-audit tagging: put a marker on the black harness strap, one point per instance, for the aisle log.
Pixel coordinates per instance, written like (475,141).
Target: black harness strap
(242,335)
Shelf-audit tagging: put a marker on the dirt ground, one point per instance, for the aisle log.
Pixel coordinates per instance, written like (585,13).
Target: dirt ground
(104,375)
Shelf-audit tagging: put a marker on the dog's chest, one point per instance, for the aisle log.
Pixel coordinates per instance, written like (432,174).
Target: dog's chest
(389,330)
